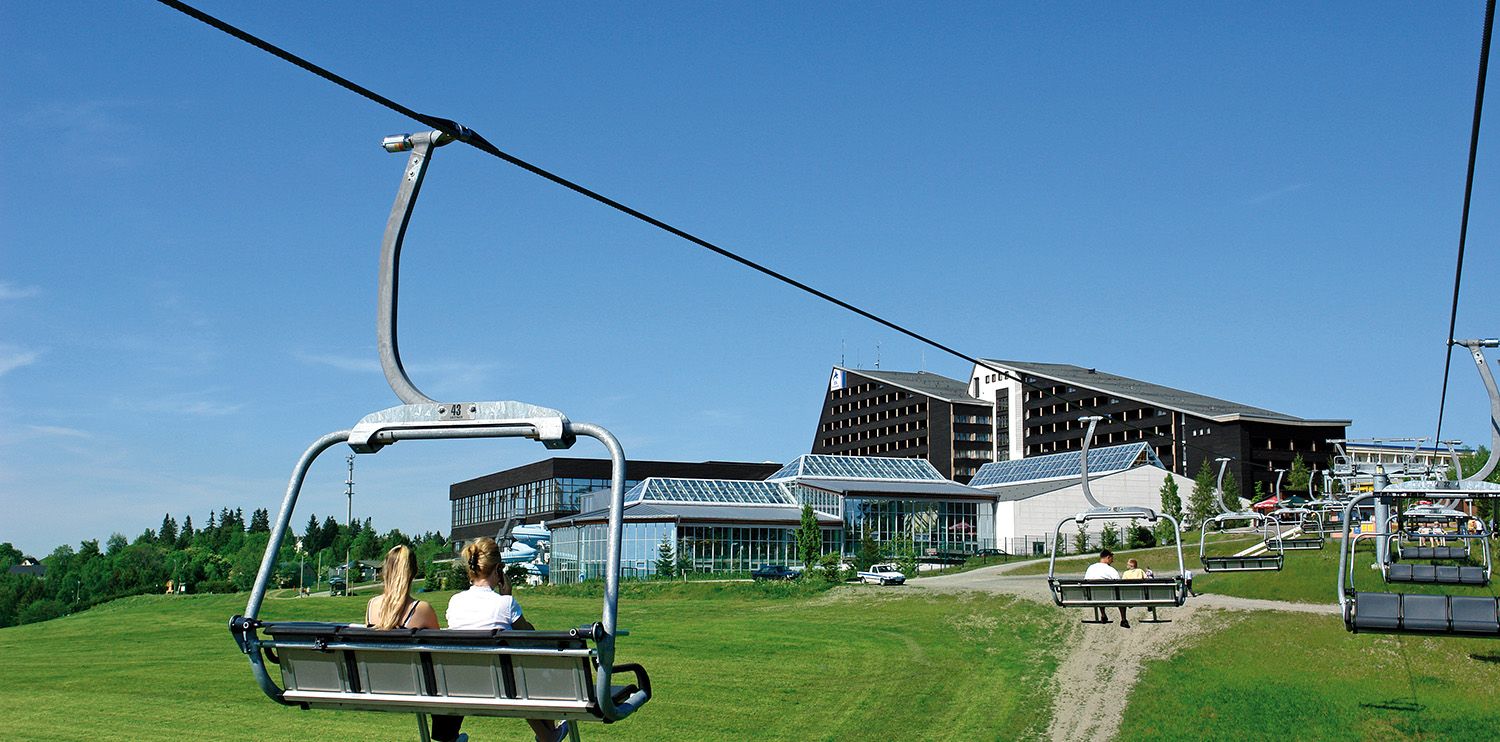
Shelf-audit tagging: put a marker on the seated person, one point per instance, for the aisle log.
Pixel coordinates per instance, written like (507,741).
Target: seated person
(1133,571)
(1103,570)
(394,608)
(483,607)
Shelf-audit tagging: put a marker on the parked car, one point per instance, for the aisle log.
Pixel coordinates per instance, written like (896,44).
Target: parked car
(882,574)
(336,586)
(774,572)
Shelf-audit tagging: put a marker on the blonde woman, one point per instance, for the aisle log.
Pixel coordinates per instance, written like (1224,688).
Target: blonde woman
(488,604)
(395,608)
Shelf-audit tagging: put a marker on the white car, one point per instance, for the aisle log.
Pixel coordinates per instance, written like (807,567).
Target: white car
(882,574)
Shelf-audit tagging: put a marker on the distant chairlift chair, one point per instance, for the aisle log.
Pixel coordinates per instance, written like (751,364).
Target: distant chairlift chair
(1409,613)
(1076,592)
(1266,562)
(1308,521)
(558,675)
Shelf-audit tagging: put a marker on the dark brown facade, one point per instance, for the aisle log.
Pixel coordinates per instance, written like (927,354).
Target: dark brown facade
(907,415)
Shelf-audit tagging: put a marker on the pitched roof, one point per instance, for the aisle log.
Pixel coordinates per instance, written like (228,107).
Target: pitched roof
(921,382)
(1192,403)
(1065,466)
(889,488)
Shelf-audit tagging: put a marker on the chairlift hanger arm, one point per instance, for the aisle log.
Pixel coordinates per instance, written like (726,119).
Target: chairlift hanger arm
(1475,347)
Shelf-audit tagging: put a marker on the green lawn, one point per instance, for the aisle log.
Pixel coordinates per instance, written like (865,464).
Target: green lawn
(1277,676)
(728,661)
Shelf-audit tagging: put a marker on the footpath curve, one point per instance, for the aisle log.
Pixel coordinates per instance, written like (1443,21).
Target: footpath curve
(1103,661)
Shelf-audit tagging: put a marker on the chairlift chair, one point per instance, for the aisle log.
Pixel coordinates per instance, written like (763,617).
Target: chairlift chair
(1311,539)
(1076,592)
(1266,562)
(557,675)
(1409,613)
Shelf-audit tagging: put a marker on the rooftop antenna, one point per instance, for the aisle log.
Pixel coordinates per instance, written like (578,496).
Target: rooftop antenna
(877,355)
(841,352)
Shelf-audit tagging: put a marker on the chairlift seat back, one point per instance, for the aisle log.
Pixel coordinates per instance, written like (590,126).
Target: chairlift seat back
(1301,543)
(1158,591)
(530,674)
(1433,574)
(1261,563)
(1400,613)
(1433,552)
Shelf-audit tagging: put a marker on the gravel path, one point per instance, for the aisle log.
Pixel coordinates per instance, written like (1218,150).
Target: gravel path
(1103,661)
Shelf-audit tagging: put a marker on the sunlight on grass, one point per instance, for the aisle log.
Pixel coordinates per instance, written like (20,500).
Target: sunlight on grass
(728,661)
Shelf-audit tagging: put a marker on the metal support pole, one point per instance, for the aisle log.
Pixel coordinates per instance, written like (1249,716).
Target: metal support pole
(1382,514)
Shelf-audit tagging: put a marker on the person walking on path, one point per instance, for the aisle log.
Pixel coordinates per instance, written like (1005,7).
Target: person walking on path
(1104,570)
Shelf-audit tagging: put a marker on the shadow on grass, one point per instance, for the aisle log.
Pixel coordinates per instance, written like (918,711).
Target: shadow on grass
(1397,704)
(1493,659)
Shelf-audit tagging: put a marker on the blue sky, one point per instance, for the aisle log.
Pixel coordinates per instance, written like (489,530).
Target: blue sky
(1258,202)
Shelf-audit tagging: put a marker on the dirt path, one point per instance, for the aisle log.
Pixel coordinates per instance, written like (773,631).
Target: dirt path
(1103,661)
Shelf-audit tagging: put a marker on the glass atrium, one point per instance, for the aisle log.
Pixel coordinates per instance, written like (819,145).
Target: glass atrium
(734,526)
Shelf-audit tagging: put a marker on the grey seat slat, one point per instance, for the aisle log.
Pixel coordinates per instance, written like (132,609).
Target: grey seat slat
(1424,614)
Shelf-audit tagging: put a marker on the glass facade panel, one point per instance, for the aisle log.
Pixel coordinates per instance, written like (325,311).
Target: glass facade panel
(558,495)
(931,524)
(578,552)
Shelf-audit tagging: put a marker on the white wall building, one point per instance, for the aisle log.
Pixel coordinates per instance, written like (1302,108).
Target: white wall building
(1033,494)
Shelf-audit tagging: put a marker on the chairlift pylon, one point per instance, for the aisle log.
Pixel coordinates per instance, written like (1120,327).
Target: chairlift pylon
(557,675)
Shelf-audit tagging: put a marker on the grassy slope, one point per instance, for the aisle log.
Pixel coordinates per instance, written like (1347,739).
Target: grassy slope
(1311,577)
(1286,676)
(727,662)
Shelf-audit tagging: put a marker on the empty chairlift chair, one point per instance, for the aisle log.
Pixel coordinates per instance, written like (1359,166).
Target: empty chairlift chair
(558,675)
(1076,592)
(1308,523)
(1407,613)
(1264,562)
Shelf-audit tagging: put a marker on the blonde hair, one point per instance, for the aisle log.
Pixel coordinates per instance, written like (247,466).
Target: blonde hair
(400,565)
(481,559)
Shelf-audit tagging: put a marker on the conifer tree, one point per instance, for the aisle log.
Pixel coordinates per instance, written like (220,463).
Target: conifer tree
(666,563)
(1201,502)
(1171,504)
(168,533)
(809,537)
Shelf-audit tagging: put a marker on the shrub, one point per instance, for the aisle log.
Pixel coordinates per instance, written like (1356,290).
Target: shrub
(831,566)
(1109,537)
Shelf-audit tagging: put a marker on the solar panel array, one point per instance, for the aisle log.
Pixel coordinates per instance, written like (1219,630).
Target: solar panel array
(828,466)
(1063,465)
(717,491)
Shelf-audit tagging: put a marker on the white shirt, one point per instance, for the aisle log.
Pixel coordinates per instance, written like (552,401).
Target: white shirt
(1096,571)
(479,607)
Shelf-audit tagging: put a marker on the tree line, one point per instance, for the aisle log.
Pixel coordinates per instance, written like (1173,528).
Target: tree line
(220,556)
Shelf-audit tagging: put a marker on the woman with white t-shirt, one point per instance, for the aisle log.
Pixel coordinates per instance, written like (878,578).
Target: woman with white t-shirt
(488,604)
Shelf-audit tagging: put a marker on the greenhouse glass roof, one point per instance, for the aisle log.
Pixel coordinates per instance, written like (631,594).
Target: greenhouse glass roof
(718,491)
(826,466)
(1064,465)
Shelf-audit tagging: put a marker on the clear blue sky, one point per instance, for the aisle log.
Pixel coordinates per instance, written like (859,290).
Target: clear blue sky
(1259,202)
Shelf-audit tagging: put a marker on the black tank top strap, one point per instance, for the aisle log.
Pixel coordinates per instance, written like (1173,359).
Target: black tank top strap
(410,612)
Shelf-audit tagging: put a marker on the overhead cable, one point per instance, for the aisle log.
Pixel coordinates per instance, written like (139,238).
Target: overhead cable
(1463,230)
(474,139)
